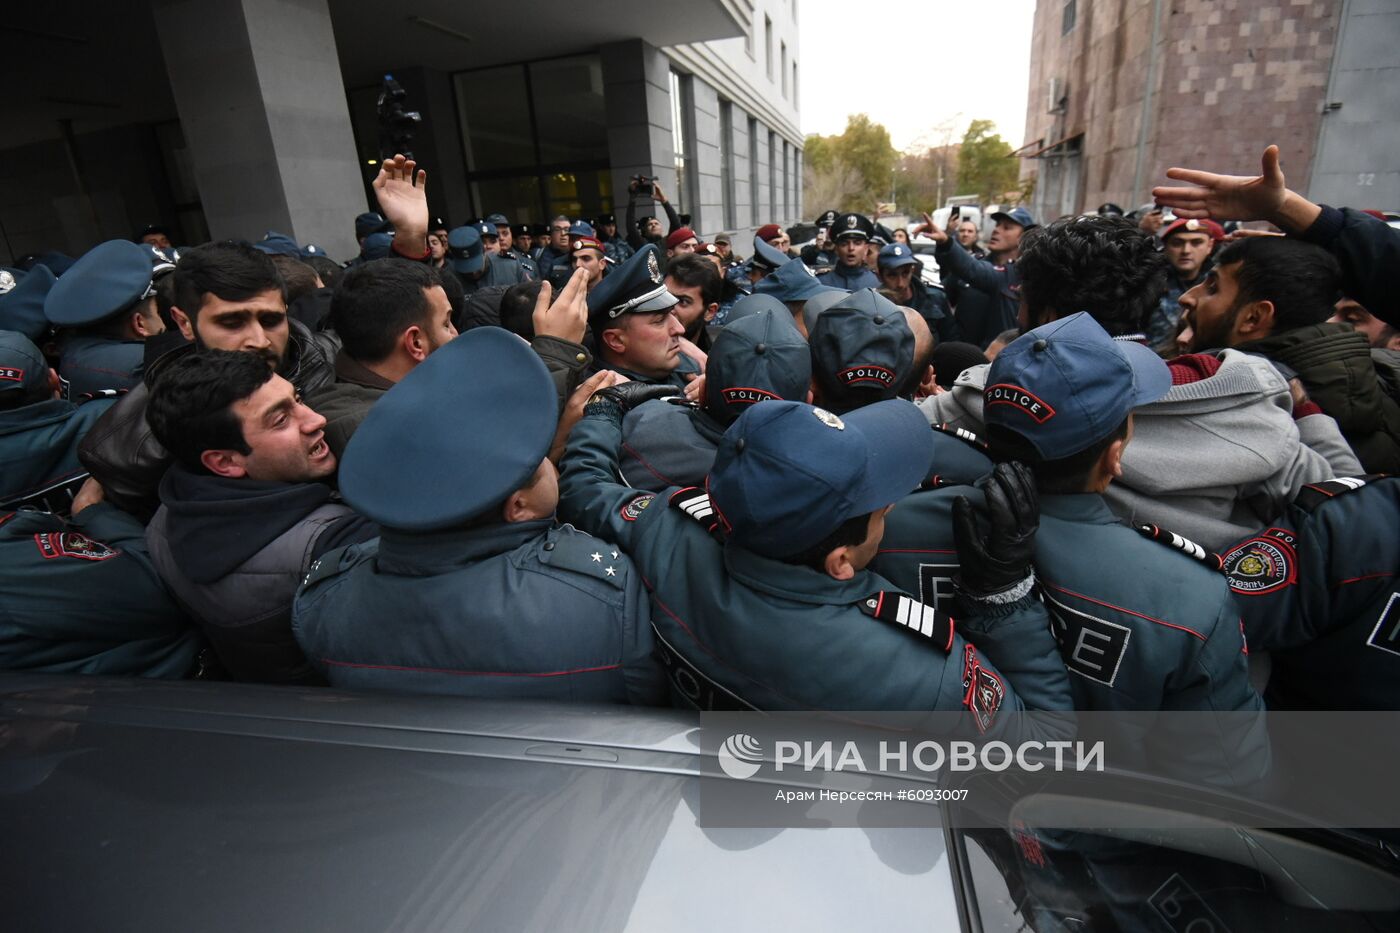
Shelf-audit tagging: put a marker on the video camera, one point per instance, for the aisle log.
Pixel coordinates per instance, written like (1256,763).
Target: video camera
(644,183)
(396,125)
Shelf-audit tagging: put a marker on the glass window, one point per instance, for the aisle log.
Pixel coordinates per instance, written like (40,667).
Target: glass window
(1067,18)
(772,177)
(516,197)
(681,111)
(495,119)
(578,194)
(782,67)
(768,45)
(569,110)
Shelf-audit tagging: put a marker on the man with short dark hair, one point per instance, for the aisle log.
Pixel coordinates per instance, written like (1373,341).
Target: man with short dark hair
(986,292)
(617,249)
(390,315)
(588,253)
(1187,244)
(243,512)
(698,288)
(556,250)
(1272,296)
(227,296)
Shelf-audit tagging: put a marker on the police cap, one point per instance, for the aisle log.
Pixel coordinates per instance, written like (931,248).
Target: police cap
(278,244)
(862,351)
(465,251)
(827,218)
(486,229)
(22,368)
(635,287)
(849,225)
(418,462)
(766,256)
(1067,385)
(603,219)
(107,280)
(1017,215)
(369,222)
(22,307)
(819,303)
(760,357)
(377,246)
(794,280)
(787,475)
(520,230)
(498,220)
(752,304)
(895,255)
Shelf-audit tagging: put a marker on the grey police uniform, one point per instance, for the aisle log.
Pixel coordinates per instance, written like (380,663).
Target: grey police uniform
(1320,591)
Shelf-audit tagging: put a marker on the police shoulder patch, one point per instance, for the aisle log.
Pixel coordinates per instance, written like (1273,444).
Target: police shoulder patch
(1263,564)
(1185,545)
(56,544)
(984,691)
(1314,495)
(633,509)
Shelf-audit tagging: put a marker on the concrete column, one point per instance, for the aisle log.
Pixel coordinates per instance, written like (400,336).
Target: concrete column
(708,216)
(637,95)
(257,85)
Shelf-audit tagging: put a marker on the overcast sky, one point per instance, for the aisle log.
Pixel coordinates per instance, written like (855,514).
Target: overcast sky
(936,63)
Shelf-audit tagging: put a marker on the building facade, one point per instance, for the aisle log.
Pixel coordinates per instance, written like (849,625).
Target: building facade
(1119,92)
(234,117)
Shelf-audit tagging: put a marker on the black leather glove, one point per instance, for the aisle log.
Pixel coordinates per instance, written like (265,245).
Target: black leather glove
(996,561)
(620,399)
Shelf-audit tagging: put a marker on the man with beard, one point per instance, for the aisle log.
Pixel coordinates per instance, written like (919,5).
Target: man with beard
(698,289)
(1187,245)
(243,512)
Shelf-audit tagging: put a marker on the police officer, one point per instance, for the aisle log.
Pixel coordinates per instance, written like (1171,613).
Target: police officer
(782,613)
(862,352)
(793,283)
(634,324)
(39,430)
(82,597)
(523,240)
(851,233)
(508,248)
(588,253)
(474,267)
(554,250)
(107,304)
(490,596)
(821,253)
(759,357)
(899,272)
(618,249)
(1318,590)
(1142,624)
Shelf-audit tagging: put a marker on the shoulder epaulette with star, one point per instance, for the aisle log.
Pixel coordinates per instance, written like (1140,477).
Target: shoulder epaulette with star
(1313,495)
(911,615)
(1184,545)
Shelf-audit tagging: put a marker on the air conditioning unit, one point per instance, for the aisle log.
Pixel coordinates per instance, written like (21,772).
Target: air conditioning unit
(1057,101)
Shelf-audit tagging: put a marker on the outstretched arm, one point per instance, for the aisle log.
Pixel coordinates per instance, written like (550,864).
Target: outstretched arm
(1239,197)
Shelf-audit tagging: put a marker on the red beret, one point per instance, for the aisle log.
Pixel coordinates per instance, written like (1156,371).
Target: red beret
(769,232)
(680,236)
(1216,231)
(577,243)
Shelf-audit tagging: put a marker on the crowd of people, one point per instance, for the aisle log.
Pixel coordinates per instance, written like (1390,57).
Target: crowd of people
(1109,463)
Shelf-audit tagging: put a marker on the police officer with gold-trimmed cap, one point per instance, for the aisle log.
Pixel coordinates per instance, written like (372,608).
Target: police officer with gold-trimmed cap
(636,331)
(487,594)
(851,233)
(106,305)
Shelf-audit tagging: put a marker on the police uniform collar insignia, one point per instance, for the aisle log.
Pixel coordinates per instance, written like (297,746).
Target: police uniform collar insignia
(653,269)
(828,419)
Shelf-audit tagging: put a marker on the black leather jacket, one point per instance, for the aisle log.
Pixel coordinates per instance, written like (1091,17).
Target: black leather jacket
(124,456)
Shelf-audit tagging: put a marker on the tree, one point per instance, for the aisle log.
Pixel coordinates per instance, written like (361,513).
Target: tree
(986,166)
(849,172)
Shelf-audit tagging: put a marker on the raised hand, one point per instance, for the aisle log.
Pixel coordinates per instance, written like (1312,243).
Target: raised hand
(567,318)
(401,189)
(1227,197)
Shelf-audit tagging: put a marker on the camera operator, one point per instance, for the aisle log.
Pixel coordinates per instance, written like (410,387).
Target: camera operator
(644,186)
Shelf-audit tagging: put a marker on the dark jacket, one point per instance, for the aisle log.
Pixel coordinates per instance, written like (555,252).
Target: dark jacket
(668,443)
(992,299)
(1335,365)
(839,276)
(1369,252)
(234,551)
(345,402)
(83,597)
(123,455)
(90,363)
(39,452)
(932,305)
(1317,590)
(525,610)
